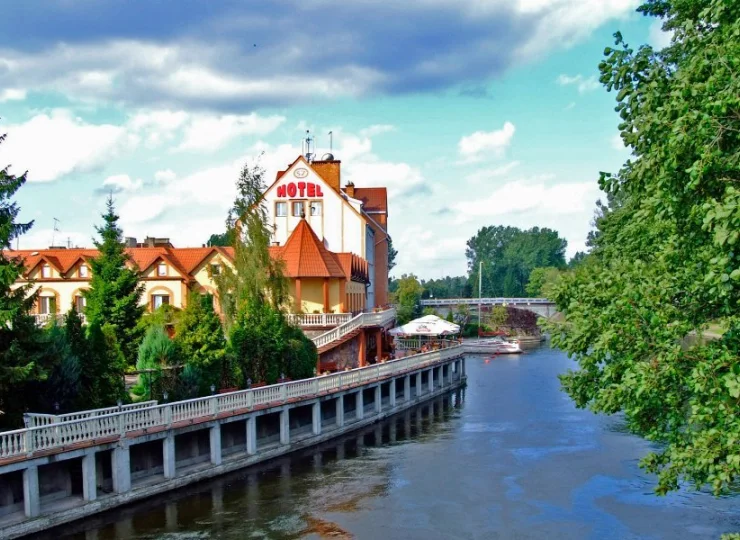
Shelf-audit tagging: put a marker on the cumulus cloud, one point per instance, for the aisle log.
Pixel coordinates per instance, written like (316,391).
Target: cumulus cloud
(210,132)
(51,145)
(165,176)
(658,38)
(223,57)
(486,175)
(120,183)
(583,84)
(477,146)
(12,94)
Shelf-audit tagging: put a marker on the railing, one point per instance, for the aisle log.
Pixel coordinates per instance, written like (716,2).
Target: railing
(487,301)
(319,319)
(363,319)
(37,420)
(42,319)
(24,442)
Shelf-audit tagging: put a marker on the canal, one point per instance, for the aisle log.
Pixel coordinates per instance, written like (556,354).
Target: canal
(512,459)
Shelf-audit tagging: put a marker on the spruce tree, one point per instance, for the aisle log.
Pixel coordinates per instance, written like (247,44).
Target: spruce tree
(21,341)
(115,293)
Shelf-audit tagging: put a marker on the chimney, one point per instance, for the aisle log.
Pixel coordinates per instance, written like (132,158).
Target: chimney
(130,242)
(330,171)
(349,189)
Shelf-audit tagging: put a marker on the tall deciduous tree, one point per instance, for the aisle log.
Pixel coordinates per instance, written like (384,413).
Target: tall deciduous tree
(115,292)
(408,298)
(254,294)
(509,255)
(665,260)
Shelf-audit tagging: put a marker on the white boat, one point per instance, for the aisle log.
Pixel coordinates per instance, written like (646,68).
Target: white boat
(495,345)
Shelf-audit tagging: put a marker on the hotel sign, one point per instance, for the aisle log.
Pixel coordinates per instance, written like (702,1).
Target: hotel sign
(299,189)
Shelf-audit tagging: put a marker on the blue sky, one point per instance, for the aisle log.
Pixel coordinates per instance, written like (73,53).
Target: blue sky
(471,112)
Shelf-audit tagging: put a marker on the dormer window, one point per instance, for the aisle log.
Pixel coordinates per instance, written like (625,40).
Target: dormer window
(46,271)
(83,271)
(162,269)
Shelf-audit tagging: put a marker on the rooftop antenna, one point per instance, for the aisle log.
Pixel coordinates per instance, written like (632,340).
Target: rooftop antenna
(56,230)
(331,142)
(308,142)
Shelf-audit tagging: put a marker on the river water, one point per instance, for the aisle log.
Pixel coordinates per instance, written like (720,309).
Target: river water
(510,457)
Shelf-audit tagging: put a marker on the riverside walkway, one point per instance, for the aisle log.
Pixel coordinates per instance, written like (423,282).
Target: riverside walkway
(56,472)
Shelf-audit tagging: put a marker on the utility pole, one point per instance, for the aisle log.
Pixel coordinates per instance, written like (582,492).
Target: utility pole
(480,293)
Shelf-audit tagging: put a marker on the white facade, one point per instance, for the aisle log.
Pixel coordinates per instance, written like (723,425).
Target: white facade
(334,217)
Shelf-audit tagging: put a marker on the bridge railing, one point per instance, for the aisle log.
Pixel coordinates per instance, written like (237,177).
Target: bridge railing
(24,442)
(486,301)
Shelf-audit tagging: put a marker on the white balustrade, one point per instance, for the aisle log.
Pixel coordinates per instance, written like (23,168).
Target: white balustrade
(36,420)
(50,432)
(485,301)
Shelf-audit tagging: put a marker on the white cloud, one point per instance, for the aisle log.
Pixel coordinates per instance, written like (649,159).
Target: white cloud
(377,129)
(144,208)
(210,132)
(657,37)
(476,146)
(12,94)
(38,238)
(122,182)
(570,105)
(52,145)
(617,143)
(486,175)
(583,84)
(531,196)
(165,176)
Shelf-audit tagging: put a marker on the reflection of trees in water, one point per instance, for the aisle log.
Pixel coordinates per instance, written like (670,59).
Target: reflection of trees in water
(284,498)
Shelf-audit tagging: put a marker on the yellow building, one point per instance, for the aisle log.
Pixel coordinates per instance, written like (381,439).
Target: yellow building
(320,281)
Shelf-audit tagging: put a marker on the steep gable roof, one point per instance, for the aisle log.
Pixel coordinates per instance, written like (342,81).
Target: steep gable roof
(306,256)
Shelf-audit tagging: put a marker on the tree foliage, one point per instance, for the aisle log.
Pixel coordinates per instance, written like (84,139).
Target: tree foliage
(202,344)
(156,352)
(408,298)
(542,280)
(509,255)
(447,287)
(22,357)
(392,254)
(665,259)
(115,291)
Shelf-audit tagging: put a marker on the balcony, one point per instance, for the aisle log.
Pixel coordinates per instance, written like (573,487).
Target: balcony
(318,320)
(42,319)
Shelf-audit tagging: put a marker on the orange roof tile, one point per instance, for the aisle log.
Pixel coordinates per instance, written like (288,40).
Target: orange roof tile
(306,256)
(62,259)
(373,199)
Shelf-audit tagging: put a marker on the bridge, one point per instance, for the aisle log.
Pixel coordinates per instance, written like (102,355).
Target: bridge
(540,306)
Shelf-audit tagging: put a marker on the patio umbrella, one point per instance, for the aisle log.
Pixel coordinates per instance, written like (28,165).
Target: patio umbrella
(430,325)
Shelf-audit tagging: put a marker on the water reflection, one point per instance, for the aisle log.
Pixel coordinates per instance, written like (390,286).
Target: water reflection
(278,499)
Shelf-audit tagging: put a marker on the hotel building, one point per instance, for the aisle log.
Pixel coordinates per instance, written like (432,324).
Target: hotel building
(333,240)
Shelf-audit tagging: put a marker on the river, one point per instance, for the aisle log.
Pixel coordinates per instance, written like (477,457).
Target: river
(512,459)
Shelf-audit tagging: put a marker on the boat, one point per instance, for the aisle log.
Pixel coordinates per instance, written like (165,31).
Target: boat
(495,345)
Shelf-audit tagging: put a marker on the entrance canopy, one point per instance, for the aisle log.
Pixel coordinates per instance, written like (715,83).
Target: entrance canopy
(430,325)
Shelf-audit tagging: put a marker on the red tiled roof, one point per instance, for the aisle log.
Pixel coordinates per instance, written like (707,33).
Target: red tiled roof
(61,259)
(306,256)
(373,199)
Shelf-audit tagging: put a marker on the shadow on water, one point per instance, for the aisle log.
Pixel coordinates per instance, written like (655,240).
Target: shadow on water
(278,498)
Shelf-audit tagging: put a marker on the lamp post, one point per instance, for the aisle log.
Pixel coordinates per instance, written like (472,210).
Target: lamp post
(213,389)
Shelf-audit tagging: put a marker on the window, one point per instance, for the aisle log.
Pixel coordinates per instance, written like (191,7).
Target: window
(46,271)
(281,209)
(162,269)
(80,303)
(47,305)
(298,210)
(83,270)
(158,300)
(215,269)
(316,208)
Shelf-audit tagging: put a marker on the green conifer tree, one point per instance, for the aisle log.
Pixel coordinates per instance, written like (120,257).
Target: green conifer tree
(21,342)
(115,293)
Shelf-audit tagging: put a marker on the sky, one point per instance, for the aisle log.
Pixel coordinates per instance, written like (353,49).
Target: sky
(471,112)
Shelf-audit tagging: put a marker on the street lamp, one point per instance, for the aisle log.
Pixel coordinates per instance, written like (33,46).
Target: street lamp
(213,389)
(249,382)
(164,396)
